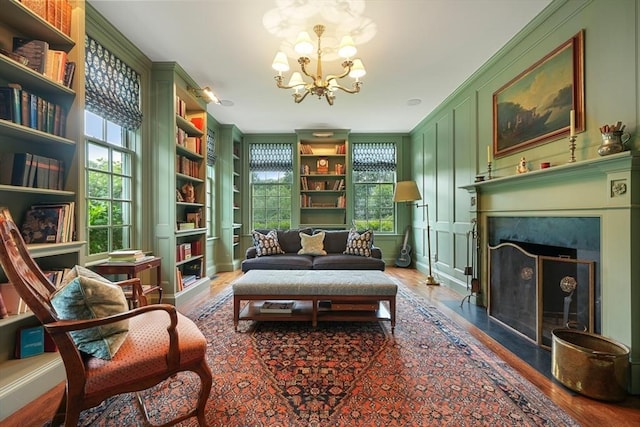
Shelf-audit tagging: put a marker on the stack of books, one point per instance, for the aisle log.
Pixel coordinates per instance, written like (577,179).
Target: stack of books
(133,255)
(276,307)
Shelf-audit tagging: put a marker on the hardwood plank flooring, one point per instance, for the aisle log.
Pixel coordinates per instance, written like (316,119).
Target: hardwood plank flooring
(586,411)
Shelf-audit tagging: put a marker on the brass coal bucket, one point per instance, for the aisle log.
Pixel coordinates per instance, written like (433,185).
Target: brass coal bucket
(590,364)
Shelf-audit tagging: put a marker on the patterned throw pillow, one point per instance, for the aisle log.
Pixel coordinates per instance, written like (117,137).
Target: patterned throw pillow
(89,298)
(312,245)
(266,244)
(359,244)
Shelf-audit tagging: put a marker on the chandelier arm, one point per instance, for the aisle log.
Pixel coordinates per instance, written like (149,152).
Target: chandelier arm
(279,83)
(303,61)
(347,69)
(299,98)
(329,97)
(356,87)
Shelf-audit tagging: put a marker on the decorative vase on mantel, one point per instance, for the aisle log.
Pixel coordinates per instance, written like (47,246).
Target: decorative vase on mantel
(613,142)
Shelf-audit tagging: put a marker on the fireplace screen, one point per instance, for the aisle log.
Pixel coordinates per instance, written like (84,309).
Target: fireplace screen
(513,276)
(534,294)
(566,296)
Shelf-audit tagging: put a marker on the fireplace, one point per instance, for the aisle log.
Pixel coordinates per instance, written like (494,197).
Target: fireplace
(590,206)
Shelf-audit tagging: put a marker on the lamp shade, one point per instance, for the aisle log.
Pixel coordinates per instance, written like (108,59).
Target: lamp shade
(406,191)
(357,70)
(347,47)
(280,62)
(303,45)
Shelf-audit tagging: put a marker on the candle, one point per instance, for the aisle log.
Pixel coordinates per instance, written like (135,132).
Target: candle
(488,154)
(572,123)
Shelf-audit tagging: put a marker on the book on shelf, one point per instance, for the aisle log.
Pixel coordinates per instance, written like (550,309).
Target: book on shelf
(276,307)
(3,308)
(29,341)
(188,280)
(43,224)
(13,303)
(10,104)
(34,50)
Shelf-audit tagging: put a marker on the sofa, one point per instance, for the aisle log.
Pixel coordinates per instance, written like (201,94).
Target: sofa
(312,249)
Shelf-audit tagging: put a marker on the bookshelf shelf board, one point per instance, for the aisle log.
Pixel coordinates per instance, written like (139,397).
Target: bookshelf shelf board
(23,19)
(322,191)
(237,225)
(16,318)
(321,208)
(32,190)
(188,260)
(195,205)
(183,151)
(331,175)
(188,178)
(39,250)
(332,226)
(322,155)
(15,370)
(26,134)
(187,126)
(14,71)
(192,232)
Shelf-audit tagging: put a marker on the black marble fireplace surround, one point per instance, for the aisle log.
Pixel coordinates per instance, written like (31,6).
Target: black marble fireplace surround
(513,299)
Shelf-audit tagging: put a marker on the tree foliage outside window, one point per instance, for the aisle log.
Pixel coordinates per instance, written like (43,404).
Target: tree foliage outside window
(271,199)
(109,185)
(374,176)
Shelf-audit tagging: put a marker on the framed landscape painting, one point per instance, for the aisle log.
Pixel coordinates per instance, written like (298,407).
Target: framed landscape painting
(535,106)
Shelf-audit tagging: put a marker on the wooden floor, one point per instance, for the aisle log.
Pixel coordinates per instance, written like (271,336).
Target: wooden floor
(587,412)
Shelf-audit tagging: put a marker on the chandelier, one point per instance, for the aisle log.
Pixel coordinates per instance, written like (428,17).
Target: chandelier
(318,85)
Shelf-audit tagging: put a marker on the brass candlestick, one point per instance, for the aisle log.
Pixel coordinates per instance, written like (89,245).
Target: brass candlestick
(489,170)
(572,149)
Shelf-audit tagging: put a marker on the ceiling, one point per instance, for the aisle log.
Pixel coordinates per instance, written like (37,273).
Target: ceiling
(416,53)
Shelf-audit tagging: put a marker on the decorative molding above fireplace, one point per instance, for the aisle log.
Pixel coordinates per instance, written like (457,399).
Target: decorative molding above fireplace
(607,188)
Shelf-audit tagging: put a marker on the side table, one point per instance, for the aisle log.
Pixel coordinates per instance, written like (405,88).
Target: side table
(137,296)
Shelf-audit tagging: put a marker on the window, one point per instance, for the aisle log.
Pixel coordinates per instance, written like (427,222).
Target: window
(109,184)
(271,179)
(112,119)
(374,175)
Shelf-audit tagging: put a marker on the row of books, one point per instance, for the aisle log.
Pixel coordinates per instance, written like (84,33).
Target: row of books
(11,303)
(306,184)
(187,166)
(27,109)
(307,149)
(31,170)
(188,274)
(56,12)
(191,143)
(37,55)
(185,251)
(49,223)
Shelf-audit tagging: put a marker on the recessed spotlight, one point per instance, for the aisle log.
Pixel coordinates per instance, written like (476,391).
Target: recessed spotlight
(414,101)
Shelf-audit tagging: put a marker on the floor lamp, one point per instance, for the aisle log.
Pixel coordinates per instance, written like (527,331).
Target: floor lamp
(408,192)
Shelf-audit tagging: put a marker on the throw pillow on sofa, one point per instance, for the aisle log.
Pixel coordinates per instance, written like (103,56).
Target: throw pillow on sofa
(312,245)
(359,243)
(266,244)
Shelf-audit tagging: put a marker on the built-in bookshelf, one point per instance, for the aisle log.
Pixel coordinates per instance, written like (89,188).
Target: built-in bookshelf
(237,200)
(180,180)
(39,130)
(323,175)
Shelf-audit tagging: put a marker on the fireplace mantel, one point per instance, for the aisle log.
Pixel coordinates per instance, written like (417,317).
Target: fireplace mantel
(607,188)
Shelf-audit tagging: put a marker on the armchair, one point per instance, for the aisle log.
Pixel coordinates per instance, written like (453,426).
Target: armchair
(160,342)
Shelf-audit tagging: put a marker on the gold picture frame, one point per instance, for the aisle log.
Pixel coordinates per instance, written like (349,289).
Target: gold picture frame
(534,107)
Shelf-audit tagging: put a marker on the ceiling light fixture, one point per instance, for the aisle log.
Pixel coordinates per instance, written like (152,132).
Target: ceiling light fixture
(205,93)
(319,86)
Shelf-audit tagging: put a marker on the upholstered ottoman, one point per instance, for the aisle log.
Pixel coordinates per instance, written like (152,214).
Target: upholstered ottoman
(317,295)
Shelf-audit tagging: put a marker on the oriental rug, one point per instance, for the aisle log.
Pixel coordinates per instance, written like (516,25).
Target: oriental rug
(284,374)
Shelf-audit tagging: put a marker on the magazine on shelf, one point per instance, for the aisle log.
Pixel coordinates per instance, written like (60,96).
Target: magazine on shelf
(277,307)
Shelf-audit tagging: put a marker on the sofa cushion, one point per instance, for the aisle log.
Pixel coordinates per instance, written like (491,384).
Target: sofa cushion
(312,245)
(347,262)
(359,243)
(289,240)
(279,262)
(266,244)
(335,241)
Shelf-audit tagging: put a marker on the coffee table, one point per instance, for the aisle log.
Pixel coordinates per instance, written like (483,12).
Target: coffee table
(358,295)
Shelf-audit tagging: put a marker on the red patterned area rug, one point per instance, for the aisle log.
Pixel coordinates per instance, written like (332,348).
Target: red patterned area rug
(430,372)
